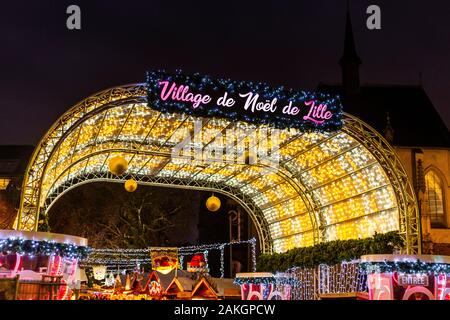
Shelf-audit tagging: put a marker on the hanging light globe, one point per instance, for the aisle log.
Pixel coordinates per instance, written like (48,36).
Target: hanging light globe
(118,165)
(131,185)
(213,203)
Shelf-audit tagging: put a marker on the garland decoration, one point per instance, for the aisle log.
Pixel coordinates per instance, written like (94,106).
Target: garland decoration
(330,253)
(218,87)
(408,267)
(48,248)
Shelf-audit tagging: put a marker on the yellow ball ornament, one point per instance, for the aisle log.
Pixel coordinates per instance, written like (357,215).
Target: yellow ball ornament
(118,165)
(213,203)
(131,185)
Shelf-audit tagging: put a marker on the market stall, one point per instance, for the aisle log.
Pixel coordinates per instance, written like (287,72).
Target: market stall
(407,277)
(265,285)
(45,264)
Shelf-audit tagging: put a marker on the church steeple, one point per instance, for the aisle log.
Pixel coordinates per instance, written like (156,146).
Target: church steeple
(389,131)
(350,60)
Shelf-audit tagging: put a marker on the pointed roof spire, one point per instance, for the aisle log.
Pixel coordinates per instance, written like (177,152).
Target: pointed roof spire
(389,130)
(349,54)
(350,61)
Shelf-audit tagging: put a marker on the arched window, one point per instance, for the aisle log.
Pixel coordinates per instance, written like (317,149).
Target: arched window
(435,199)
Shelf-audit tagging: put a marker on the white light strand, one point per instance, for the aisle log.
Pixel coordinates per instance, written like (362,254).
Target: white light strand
(107,251)
(222,262)
(132,257)
(253,243)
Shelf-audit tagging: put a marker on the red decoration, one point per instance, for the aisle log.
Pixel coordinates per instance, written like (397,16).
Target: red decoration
(197,261)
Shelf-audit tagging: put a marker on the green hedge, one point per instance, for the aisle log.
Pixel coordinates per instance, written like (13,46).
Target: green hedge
(330,253)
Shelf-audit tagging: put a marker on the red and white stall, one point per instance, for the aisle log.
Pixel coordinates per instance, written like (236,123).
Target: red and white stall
(265,285)
(407,277)
(44,263)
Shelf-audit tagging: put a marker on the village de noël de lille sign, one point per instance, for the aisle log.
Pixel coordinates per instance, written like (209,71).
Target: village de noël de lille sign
(257,103)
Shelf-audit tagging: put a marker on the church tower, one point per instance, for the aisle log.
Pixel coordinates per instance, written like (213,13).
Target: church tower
(350,61)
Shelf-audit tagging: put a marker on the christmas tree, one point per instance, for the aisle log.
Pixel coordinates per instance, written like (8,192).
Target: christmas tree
(109,281)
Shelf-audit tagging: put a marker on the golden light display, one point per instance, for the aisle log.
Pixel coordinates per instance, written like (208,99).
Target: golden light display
(213,203)
(326,186)
(130,185)
(118,165)
(99,272)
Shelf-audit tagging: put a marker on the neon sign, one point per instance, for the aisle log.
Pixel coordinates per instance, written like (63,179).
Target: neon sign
(258,103)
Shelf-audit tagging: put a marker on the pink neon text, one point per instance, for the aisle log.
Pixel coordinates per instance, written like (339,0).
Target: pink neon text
(182,93)
(316,113)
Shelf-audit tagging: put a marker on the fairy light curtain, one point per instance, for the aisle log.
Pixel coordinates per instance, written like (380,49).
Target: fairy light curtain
(131,259)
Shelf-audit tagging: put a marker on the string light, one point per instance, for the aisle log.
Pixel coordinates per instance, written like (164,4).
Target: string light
(181,260)
(275,280)
(114,261)
(253,243)
(222,262)
(339,278)
(130,257)
(205,254)
(184,250)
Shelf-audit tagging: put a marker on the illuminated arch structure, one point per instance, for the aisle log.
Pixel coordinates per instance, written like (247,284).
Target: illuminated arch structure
(341,185)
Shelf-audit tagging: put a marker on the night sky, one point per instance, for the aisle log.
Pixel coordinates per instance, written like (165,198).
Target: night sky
(46,68)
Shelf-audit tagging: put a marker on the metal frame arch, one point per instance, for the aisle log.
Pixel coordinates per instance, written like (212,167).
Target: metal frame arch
(86,109)
(262,223)
(355,128)
(89,113)
(33,173)
(409,219)
(256,213)
(265,240)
